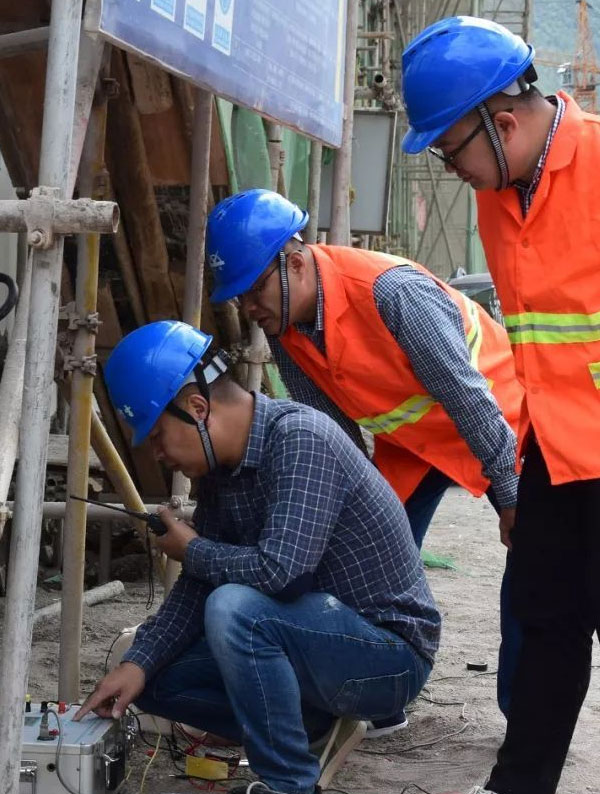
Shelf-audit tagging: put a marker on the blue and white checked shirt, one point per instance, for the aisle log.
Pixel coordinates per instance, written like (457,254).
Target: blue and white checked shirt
(304,502)
(429,328)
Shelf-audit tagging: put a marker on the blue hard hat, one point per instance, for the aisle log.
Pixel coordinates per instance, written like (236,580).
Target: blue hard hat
(149,367)
(243,236)
(450,68)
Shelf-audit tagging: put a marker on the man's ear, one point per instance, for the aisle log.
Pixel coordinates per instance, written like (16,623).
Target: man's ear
(507,123)
(296,261)
(196,405)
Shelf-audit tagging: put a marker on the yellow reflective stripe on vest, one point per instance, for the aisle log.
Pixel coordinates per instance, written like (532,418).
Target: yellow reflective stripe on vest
(416,407)
(475,334)
(552,329)
(407,413)
(595,372)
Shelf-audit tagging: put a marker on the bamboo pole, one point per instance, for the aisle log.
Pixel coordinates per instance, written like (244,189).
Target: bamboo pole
(59,105)
(82,391)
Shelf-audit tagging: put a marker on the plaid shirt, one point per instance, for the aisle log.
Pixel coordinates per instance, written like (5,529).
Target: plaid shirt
(428,327)
(303,503)
(527,191)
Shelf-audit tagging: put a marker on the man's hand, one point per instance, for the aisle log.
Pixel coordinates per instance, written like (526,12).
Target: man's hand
(179,534)
(507,522)
(114,692)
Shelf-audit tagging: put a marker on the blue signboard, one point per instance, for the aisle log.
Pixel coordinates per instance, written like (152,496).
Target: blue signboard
(281,58)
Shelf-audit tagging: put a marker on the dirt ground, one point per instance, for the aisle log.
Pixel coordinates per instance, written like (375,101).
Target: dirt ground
(465,703)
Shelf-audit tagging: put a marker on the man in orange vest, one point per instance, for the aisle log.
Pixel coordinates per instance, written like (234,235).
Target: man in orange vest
(379,343)
(469,94)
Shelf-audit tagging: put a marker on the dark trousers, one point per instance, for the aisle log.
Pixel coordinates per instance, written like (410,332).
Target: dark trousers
(555,585)
(420,508)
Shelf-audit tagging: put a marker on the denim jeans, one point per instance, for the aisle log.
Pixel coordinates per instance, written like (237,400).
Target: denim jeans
(420,508)
(266,672)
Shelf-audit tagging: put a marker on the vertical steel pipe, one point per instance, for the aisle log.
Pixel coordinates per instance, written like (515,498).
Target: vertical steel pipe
(340,191)
(314,191)
(11,387)
(194,269)
(59,105)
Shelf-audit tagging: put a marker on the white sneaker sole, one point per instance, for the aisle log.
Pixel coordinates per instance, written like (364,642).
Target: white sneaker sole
(377,733)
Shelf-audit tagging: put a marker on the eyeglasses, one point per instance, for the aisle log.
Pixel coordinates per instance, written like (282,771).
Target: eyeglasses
(259,287)
(449,159)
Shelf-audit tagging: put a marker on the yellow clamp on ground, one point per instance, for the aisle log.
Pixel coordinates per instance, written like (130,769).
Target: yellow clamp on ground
(206,768)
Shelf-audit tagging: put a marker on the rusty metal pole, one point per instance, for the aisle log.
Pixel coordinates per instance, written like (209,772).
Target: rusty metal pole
(194,270)
(82,392)
(340,192)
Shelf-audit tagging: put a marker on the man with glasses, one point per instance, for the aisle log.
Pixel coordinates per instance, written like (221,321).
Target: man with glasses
(379,343)
(536,173)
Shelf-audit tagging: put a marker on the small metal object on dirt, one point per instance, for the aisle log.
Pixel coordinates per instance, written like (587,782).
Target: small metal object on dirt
(480,667)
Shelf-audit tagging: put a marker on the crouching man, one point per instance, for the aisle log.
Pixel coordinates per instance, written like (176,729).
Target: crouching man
(302,597)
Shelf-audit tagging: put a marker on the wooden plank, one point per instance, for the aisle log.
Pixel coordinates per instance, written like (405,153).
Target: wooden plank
(150,85)
(209,324)
(22,81)
(131,180)
(109,330)
(58,452)
(167,148)
(219,175)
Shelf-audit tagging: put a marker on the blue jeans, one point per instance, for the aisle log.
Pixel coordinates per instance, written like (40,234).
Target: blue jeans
(420,508)
(268,673)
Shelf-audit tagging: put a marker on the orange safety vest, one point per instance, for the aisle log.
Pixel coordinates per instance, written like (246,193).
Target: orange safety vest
(547,272)
(371,379)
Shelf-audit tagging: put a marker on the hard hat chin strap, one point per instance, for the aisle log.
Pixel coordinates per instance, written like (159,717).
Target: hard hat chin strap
(285,293)
(206,371)
(494,139)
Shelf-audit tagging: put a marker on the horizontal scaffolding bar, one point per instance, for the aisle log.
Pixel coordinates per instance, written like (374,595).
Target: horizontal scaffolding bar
(23,41)
(56,510)
(66,216)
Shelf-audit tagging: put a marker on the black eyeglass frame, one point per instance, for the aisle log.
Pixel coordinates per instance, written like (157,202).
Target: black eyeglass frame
(449,159)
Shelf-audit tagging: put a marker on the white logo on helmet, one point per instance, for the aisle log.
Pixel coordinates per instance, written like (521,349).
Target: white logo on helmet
(215,261)
(127,411)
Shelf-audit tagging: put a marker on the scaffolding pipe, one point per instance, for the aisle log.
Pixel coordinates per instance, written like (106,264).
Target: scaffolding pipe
(276,156)
(258,342)
(59,105)
(339,233)
(55,511)
(12,44)
(91,51)
(67,216)
(438,206)
(82,394)
(194,269)
(95,596)
(199,191)
(314,192)
(11,390)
